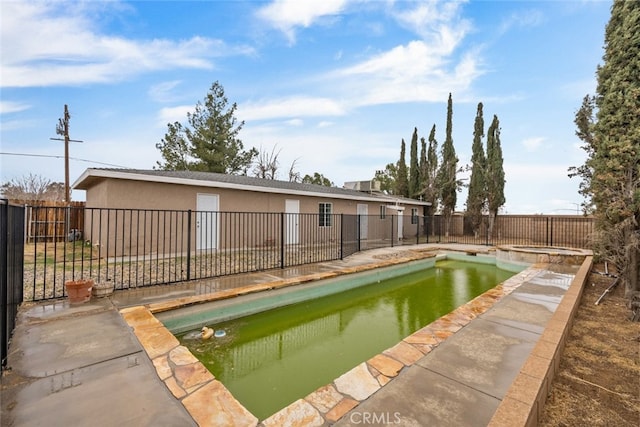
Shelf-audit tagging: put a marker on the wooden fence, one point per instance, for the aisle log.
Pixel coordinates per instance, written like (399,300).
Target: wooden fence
(42,224)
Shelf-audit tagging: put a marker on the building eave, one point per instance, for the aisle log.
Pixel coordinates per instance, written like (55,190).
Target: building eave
(91,176)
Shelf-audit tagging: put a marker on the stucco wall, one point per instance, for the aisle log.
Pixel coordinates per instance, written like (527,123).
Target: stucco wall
(134,218)
(118,193)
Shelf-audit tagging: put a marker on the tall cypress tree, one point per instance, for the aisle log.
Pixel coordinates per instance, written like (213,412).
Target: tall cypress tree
(612,167)
(584,121)
(414,171)
(430,180)
(448,169)
(477,196)
(422,168)
(402,181)
(495,172)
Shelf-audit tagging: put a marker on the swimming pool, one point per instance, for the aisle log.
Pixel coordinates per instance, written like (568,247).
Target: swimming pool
(271,358)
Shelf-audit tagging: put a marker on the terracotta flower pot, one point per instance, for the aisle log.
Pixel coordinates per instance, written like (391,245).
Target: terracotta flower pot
(79,291)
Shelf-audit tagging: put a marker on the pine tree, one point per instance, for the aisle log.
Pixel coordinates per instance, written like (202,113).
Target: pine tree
(612,168)
(477,195)
(448,169)
(495,173)
(175,149)
(402,181)
(414,170)
(210,143)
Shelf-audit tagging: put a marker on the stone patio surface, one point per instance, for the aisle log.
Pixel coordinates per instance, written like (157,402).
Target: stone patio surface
(86,365)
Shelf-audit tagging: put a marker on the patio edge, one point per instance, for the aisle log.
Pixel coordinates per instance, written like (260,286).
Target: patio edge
(524,401)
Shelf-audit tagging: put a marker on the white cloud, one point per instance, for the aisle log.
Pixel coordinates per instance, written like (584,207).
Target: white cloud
(46,45)
(286,15)
(540,188)
(522,19)
(163,92)
(295,122)
(437,23)
(12,107)
(426,69)
(11,125)
(417,71)
(297,106)
(174,114)
(422,70)
(532,144)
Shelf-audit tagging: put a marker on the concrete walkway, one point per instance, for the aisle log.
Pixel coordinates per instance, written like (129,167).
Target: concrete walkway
(83,366)
(464,380)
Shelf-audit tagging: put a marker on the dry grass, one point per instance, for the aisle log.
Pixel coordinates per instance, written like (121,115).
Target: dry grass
(50,252)
(599,379)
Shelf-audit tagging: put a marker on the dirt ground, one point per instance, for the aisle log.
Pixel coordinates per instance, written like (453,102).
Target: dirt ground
(599,379)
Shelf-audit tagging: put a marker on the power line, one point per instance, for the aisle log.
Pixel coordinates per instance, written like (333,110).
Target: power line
(60,157)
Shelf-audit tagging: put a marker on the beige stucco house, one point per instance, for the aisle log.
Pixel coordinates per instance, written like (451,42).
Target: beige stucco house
(310,211)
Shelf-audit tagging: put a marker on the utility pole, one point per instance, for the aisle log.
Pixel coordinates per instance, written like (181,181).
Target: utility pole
(62,129)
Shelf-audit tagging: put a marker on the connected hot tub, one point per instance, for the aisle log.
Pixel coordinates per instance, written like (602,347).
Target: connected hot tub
(508,256)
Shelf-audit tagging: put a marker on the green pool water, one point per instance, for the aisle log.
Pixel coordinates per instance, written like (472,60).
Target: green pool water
(269,360)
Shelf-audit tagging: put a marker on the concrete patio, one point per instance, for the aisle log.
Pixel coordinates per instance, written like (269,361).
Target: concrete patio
(489,364)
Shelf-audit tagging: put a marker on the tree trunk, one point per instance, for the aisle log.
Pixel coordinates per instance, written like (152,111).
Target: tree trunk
(633,273)
(492,218)
(447,224)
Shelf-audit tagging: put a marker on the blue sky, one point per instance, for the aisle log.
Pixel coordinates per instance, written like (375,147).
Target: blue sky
(333,85)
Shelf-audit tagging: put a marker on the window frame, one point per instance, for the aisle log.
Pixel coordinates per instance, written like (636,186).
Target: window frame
(414,215)
(325,214)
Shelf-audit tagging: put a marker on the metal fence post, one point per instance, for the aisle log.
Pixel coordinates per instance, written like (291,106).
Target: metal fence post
(189,244)
(11,271)
(341,236)
(282,239)
(358,231)
(4,275)
(392,216)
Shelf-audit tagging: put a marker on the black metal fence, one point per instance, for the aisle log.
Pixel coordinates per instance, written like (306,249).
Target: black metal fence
(136,247)
(11,270)
(539,230)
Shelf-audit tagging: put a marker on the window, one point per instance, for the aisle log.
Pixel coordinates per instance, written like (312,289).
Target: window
(383,211)
(324,215)
(414,215)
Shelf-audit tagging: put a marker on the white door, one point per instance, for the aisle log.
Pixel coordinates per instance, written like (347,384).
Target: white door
(207,221)
(400,236)
(363,211)
(292,221)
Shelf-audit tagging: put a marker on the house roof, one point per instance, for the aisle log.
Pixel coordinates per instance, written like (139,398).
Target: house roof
(92,176)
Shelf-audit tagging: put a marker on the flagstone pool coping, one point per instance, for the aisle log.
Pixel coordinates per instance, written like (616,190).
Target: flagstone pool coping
(210,403)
